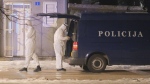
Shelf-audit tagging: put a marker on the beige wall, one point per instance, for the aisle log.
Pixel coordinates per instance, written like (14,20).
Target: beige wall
(44,40)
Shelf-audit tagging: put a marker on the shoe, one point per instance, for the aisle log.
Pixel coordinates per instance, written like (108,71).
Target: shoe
(62,69)
(23,69)
(37,69)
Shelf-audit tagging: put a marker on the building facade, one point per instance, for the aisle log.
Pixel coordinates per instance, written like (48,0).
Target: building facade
(1,31)
(12,34)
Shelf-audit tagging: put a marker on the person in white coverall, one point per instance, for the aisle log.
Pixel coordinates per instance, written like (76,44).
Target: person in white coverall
(30,48)
(59,46)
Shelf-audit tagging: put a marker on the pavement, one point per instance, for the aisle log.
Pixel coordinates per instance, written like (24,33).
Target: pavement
(46,74)
(10,69)
(22,58)
(14,73)
(9,73)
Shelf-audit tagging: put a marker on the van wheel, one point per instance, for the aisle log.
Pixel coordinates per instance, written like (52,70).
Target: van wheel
(85,68)
(96,63)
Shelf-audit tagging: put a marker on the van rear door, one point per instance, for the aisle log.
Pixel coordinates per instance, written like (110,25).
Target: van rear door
(59,15)
(73,22)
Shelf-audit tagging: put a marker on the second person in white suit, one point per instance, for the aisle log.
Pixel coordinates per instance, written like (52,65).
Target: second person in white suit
(60,39)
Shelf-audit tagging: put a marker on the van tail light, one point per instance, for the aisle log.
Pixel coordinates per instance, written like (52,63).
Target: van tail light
(75,45)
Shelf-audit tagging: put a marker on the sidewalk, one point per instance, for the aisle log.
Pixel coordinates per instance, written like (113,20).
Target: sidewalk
(9,73)
(22,58)
(9,68)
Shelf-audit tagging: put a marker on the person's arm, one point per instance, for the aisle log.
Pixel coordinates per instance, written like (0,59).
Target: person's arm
(30,32)
(63,37)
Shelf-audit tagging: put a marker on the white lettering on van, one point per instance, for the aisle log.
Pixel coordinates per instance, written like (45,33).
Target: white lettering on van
(113,34)
(123,34)
(129,33)
(120,33)
(107,33)
(134,34)
(140,34)
(100,33)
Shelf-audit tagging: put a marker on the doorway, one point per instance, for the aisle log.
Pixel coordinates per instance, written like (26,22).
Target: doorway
(14,25)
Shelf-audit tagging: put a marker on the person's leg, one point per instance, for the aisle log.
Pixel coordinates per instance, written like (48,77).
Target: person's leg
(58,61)
(27,62)
(35,58)
(28,54)
(59,52)
(61,69)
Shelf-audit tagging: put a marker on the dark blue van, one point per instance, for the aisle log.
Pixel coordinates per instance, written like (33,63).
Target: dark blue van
(101,39)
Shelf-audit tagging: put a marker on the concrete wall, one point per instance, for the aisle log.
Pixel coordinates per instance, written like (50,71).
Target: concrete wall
(44,38)
(1,31)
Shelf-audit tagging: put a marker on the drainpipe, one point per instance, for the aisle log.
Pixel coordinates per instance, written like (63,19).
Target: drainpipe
(66,6)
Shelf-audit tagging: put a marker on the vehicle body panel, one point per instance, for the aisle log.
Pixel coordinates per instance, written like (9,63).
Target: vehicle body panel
(123,37)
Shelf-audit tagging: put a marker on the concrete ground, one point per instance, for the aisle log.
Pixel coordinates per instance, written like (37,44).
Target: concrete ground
(9,73)
(10,68)
(22,58)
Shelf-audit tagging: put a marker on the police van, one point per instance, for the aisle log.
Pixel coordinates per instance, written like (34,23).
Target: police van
(102,39)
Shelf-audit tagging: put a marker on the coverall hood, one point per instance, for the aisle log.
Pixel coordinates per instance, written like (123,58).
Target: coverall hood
(63,27)
(29,23)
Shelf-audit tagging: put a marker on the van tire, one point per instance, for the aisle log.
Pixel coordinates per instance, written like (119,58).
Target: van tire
(85,68)
(96,63)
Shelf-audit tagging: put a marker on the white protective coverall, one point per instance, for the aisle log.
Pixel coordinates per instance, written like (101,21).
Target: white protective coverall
(30,45)
(59,45)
